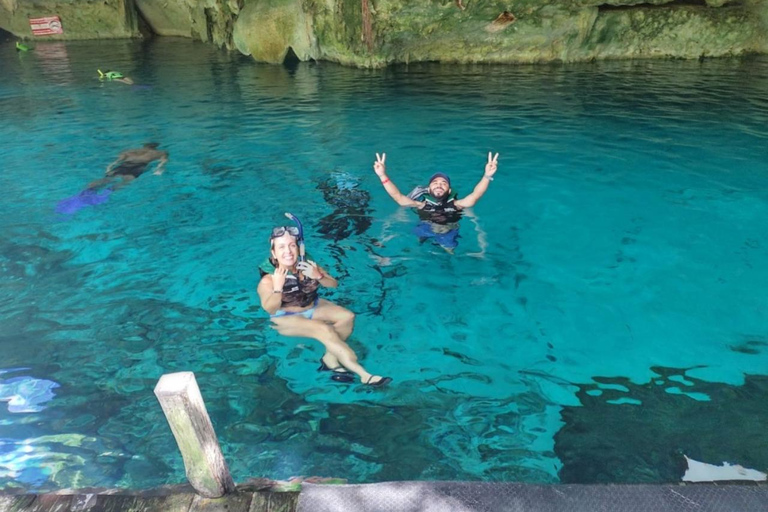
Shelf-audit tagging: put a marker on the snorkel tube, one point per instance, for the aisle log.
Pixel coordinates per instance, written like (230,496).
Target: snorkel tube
(302,253)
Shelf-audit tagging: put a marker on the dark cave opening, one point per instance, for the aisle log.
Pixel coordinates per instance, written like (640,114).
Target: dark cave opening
(291,60)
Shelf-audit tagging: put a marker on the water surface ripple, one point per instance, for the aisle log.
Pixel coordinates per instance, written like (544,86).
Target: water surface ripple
(615,268)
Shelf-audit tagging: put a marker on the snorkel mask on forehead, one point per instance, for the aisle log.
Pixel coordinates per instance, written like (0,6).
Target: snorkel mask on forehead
(281,230)
(299,234)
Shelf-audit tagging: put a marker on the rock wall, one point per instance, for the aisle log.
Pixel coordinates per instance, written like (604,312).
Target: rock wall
(380,32)
(204,20)
(453,31)
(266,29)
(80,19)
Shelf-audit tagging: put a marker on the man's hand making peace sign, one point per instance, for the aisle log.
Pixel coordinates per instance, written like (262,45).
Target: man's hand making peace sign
(490,167)
(379,167)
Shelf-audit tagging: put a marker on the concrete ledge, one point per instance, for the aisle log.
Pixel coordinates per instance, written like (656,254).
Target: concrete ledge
(509,497)
(415,497)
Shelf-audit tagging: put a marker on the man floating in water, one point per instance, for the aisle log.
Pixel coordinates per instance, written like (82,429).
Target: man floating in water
(130,164)
(438,207)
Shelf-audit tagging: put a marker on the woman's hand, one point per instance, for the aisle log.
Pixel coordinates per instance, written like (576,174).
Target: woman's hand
(278,278)
(309,269)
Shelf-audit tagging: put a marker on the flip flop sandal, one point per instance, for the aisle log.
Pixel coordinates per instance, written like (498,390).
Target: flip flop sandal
(379,383)
(340,374)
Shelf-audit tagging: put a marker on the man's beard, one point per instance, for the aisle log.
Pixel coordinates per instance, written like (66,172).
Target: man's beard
(442,195)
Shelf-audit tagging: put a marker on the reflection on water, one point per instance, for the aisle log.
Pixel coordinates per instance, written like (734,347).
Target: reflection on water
(24,393)
(54,62)
(32,462)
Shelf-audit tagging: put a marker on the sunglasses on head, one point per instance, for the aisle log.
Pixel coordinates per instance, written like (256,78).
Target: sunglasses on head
(281,230)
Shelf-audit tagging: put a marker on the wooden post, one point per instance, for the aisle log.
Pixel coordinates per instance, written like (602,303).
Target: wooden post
(185,411)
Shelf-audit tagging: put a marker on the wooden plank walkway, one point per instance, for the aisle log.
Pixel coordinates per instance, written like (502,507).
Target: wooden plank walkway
(258,501)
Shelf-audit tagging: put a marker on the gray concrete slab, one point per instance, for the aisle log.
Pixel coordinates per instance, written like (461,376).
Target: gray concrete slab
(510,497)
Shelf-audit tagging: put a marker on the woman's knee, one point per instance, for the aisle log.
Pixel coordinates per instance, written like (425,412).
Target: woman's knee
(346,317)
(326,332)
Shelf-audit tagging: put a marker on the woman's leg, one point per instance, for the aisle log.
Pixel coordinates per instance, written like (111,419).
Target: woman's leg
(301,327)
(342,319)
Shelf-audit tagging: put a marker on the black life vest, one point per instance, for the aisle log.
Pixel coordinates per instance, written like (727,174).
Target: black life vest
(296,292)
(439,211)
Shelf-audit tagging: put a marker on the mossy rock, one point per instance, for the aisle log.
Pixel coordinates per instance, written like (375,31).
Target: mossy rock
(266,30)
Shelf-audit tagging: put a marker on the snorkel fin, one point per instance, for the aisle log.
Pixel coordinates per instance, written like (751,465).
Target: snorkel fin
(302,251)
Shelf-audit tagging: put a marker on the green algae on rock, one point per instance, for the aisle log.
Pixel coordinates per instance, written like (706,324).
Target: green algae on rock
(373,33)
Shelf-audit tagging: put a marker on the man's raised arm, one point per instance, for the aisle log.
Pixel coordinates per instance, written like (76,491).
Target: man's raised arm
(482,185)
(380,168)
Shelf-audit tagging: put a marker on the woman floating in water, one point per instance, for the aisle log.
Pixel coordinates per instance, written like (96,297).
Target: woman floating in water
(288,292)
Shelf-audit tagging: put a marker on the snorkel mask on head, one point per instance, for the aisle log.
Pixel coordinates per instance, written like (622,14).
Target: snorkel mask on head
(300,237)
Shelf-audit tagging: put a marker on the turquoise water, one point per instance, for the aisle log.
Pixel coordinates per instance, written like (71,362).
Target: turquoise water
(614,269)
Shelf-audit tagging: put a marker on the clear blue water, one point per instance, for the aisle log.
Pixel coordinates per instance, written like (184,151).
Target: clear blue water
(615,266)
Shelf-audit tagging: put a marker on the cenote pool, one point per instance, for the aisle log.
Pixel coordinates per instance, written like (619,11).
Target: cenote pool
(603,314)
